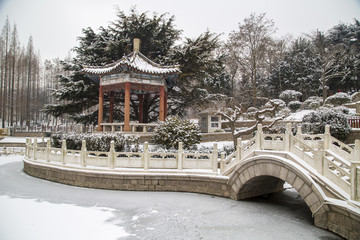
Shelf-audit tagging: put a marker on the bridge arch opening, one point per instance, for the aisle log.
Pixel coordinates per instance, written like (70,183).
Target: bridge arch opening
(261,175)
(260,185)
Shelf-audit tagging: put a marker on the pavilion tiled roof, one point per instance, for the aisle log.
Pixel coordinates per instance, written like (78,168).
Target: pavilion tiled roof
(135,62)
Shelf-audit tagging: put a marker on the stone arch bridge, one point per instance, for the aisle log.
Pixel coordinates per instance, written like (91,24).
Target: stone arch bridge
(323,170)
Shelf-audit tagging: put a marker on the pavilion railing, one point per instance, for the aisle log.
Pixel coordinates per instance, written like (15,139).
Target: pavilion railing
(135,127)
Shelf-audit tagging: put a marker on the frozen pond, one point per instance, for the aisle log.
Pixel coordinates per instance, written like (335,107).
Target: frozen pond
(39,209)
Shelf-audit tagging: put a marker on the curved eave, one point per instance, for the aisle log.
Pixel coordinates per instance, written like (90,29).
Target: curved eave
(131,67)
(135,62)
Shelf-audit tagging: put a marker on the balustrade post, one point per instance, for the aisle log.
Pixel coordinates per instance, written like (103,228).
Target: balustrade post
(27,148)
(354,165)
(298,131)
(222,163)
(259,137)
(319,157)
(238,149)
(48,150)
(83,154)
(146,155)
(286,139)
(35,149)
(180,156)
(215,158)
(63,151)
(327,137)
(111,155)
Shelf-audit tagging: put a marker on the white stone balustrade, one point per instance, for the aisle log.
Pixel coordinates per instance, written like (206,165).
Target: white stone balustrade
(326,155)
(146,160)
(319,154)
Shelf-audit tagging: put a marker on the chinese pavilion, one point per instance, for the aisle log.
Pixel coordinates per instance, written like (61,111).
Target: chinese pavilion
(133,74)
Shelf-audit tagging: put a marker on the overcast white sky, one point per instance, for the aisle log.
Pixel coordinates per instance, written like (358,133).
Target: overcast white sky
(56,24)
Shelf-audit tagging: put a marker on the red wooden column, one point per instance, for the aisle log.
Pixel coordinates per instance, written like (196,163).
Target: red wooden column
(127,108)
(165,105)
(101,108)
(111,112)
(161,104)
(141,107)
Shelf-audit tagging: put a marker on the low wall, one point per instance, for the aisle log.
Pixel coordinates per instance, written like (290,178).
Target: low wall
(216,137)
(213,185)
(31,134)
(247,123)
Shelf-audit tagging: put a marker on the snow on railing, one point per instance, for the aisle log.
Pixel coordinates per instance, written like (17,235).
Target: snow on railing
(78,128)
(12,150)
(179,160)
(326,155)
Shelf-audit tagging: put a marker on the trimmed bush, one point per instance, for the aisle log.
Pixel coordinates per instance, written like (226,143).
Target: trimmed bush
(294,105)
(312,103)
(281,103)
(100,142)
(290,95)
(338,99)
(175,130)
(315,123)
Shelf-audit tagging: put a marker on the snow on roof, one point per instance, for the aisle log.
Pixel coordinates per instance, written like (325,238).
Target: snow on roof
(135,61)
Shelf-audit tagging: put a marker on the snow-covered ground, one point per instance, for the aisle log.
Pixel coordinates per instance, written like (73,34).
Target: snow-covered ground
(19,139)
(32,208)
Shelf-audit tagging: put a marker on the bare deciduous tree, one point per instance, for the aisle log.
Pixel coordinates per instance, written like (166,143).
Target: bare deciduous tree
(247,48)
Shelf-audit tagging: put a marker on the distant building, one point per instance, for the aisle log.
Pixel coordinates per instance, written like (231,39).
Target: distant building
(209,122)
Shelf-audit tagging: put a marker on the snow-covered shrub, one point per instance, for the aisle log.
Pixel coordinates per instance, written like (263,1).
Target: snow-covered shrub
(342,109)
(227,149)
(99,142)
(281,104)
(294,105)
(338,99)
(355,97)
(312,103)
(175,130)
(315,123)
(290,95)
(56,139)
